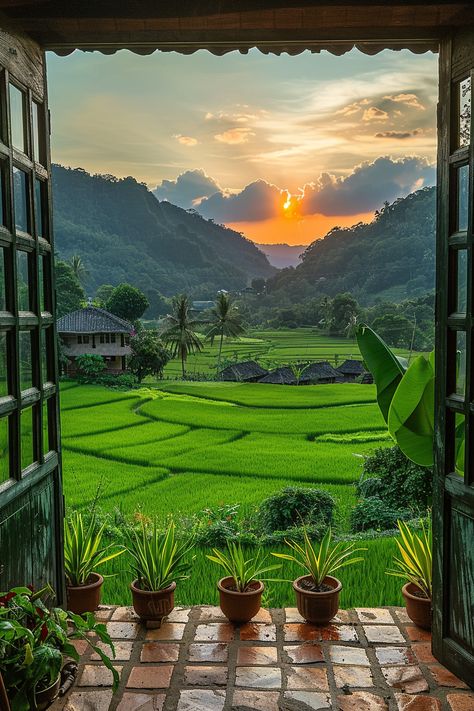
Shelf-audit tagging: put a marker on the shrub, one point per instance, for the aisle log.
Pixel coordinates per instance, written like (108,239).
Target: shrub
(90,367)
(373,513)
(402,484)
(369,487)
(295,506)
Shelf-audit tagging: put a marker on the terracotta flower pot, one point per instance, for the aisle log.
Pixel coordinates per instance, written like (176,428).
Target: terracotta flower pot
(85,598)
(318,607)
(152,605)
(239,606)
(45,698)
(418,608)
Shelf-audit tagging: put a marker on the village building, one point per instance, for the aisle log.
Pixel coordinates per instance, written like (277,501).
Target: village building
(350,370)
(94,331)
(247,372)
(315,373)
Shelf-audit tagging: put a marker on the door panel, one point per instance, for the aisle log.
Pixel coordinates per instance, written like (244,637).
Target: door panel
(31,506)
(453,510)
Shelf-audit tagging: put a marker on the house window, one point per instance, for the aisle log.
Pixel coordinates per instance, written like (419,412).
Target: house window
(17,116)
(102,338)
(79,340)
(20,198)
(112,338)
(85,339)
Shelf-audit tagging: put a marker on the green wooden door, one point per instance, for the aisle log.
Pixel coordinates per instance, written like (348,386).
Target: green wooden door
(31,506)
(453,511)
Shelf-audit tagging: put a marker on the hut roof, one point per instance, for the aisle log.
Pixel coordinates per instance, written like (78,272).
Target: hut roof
(92,320)
(351,367)
(315,371)
(247,370)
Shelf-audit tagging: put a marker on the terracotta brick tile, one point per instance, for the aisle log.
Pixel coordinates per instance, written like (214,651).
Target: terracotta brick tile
(443,677)
(394,656)
(210,613)
(145,702)
(310,699)
(215,632)
(307,678)
(88,701)
(401,615)
(159,652)
(361,701)
(256,700)
(263,616)
(208,652)
(124,614)
(251,656)
(123,630)
(81,646)
(461,702)
(179,614)
(292,615)
(123,651)
(409,680)
(422,652)
(375,615)
(352,676)
(255,632)
(307,653)
(304,631)
(97,675)
(406,702)
(148,677)
(388,634)
(168,631)
(104,613)
(201,700)
(205,676)
(355,656)
(258,677)
(416,634)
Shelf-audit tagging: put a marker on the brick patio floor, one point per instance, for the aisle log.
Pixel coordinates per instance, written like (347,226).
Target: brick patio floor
(367,660)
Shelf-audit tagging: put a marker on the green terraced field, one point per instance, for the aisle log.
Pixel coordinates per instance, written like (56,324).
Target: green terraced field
(273,348)
(178,448)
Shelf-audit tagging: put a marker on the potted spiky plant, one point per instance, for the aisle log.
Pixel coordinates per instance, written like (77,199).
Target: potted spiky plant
(415,566)
(240,591)
(317,592)
(158,562)
(83,554)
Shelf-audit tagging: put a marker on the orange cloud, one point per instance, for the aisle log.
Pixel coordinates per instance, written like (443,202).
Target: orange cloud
(234,136)
(187,140)
(408,99)
(374,114)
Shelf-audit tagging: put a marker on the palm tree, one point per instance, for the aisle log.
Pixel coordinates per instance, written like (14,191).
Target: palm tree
(352,325)
(78,267)
(225,320)
(178,333)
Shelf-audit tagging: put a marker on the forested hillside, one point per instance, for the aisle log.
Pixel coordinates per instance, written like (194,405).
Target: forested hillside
(392,257)
(123,234)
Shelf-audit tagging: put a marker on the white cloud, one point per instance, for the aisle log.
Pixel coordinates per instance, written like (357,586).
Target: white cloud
(186,140)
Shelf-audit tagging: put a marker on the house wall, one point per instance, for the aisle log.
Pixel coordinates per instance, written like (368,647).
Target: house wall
(73,348)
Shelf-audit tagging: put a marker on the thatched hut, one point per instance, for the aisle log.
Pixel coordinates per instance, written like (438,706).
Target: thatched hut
(247,372)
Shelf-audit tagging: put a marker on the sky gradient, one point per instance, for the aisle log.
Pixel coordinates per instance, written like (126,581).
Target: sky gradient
(280,148)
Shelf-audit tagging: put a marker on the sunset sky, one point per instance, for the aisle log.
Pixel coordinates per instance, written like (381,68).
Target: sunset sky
(280,148)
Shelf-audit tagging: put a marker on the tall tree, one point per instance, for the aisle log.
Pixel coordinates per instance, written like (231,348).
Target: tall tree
(79,268)
(179,333)
(128,302)
(149,356)
(225,320)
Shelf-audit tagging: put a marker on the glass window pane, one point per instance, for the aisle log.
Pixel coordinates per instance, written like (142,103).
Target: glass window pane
(26,373)
(46,442)
(3,364)
(44,355)
(22,283)
(464,112)
(37,152)
(3,168)
(463,192)
(39,191)
(20,198)
(4,453)
(17,117)
(3,301)
(27,445)
(460,445)
(461,300)
(461,363)
(41,281)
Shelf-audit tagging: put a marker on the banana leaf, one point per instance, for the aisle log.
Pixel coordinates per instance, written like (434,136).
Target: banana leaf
(387,370)
(411,414)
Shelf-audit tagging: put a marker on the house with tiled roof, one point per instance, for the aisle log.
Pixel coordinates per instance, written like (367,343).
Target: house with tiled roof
(95,331)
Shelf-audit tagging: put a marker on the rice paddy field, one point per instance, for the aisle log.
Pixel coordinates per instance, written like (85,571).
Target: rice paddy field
(273,348)
(180,447)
